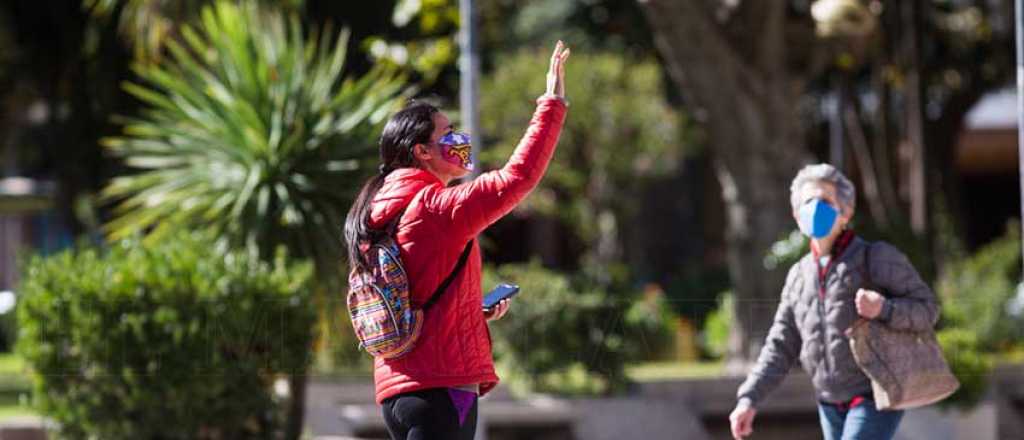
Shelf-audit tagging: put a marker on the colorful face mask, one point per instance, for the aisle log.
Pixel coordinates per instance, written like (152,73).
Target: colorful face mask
(817,218)
(456,148)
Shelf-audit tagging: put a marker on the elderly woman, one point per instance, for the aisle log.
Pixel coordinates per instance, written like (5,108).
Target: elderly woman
(822,297)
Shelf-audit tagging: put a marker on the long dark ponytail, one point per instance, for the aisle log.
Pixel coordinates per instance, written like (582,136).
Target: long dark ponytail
(410,126)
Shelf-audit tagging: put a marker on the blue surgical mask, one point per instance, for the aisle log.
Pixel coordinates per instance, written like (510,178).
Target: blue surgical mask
(817,218)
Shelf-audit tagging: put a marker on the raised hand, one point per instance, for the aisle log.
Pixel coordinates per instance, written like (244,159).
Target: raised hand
(556,71)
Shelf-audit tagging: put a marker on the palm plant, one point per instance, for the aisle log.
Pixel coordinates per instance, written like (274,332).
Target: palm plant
(251,129)
(253,134)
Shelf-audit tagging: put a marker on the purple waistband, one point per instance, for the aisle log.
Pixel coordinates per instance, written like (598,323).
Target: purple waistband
(463,402)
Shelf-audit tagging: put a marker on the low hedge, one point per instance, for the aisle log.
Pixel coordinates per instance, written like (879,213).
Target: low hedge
(562,336)
(171,341)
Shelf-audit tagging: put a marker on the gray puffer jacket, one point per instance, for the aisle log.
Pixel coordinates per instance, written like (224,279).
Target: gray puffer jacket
(813,330)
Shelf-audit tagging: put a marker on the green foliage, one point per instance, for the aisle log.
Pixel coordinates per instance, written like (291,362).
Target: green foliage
(146,24)
(650,326)
(256,135)
(340,354)
(427,57)
(565,338)
(619,126)
(433,15)
(787,251)
(15,386)
(176,341)
(980,294)
(982,312)
(695,290)
(433,49)
(619,135)
(969,364)
(715,338)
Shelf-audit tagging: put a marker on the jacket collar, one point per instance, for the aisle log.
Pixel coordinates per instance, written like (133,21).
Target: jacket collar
(853,246)
(842,242)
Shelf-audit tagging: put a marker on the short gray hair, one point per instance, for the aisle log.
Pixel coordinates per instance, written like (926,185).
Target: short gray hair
(824,172)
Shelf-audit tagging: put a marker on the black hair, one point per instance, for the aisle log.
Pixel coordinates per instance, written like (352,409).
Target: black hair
(412,125)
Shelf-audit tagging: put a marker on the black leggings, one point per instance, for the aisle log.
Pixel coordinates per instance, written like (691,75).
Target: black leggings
(429,415)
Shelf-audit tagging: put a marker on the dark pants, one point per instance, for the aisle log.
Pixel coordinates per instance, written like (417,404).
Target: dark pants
(434,414)
(860,422)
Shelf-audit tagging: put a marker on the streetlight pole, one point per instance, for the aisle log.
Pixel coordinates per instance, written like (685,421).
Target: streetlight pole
(469,85)
(1019,25)
(469,70)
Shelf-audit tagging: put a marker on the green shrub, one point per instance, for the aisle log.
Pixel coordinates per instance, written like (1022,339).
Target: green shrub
(340,354)
(563,338)
(175,341)
(981,313)
(979,294)
(969,365)
(651,326)
(715,337)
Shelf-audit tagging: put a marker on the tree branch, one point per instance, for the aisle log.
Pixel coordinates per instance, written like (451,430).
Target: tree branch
(862,154)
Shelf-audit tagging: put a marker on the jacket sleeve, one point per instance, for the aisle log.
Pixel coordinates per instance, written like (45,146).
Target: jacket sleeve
(473,206)
(780,349)
(910,304)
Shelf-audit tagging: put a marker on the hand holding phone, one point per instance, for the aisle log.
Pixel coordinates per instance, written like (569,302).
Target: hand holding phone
(503,291)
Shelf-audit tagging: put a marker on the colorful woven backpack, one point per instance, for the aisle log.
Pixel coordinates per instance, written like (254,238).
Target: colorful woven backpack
(380,303)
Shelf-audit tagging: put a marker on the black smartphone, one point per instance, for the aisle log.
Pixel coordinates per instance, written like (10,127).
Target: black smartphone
(499,293)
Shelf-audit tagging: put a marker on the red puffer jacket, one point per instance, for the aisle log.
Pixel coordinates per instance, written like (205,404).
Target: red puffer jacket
(455,345)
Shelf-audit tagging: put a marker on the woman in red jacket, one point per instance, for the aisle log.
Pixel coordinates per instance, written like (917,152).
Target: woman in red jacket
(431,392)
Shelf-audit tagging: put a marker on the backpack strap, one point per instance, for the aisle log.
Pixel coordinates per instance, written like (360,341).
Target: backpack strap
(451,277)
(869,283)
(867,266)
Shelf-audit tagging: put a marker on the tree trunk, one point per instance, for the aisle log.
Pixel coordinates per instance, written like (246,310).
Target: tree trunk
(755,190)
(297,405)
(747,104)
